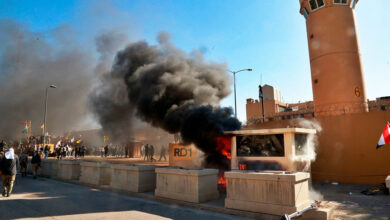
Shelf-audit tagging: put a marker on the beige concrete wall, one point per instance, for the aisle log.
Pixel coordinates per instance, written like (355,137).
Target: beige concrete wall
(69,169)
(191,185)
(347,147)
(49,168)
(133,178)
(275,193)
(95,173)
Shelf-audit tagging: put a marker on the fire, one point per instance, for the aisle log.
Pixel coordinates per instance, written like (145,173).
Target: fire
(222,180)
(224,147)
(242,166)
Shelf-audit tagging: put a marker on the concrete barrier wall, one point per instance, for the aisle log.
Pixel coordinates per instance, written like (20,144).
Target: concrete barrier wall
(95,173)
(69,169)
(134,178)
(49,168)
(191,185)
(275,193)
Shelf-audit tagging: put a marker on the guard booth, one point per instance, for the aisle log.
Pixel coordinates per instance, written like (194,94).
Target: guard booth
(288,149)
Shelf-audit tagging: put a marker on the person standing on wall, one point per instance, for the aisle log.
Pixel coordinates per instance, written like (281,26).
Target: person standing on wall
(146,152)
(162,153)
(106,151)
(8,167)
(47,149)
(151,153)
(83,151)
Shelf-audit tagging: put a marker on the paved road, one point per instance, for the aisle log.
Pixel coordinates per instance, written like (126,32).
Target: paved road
(50,199)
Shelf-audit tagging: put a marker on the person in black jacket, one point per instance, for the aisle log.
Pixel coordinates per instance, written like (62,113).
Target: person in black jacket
(8,165)
(36,163)
(106,151)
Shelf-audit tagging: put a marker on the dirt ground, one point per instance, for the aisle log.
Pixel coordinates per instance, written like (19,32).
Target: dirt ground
(349,203)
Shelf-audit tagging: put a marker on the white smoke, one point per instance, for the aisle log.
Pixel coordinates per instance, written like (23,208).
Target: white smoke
(309,152)
(309,149)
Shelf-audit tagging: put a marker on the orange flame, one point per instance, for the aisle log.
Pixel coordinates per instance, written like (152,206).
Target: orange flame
(222,180)
(242,166)
(223,146)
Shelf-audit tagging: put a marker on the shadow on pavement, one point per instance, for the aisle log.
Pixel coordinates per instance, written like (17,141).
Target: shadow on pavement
(45,197)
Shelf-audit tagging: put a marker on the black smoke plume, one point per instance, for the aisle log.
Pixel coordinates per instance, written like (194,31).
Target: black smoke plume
(109,99)
(172,90)
(31,61)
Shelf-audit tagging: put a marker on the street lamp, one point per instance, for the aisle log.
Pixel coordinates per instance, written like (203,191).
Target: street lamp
(234,74)
(44,116)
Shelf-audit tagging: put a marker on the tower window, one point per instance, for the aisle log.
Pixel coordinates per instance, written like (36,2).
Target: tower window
(341,2)
(305,13)
(315,4)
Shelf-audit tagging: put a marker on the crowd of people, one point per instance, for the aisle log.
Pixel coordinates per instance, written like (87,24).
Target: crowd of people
(15,156)
(147,152)
(64,150)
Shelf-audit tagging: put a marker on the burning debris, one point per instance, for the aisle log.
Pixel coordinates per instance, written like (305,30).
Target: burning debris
(172,90)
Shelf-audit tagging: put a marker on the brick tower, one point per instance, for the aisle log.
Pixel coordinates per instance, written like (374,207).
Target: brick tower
(336,69)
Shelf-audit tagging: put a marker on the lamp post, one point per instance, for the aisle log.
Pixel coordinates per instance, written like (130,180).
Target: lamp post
(234,76)
(44,116)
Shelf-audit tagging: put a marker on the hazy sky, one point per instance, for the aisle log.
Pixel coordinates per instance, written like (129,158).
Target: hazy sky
(267,36)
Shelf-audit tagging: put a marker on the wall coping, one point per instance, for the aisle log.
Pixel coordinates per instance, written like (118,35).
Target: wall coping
(187,171)
(268,175)
(272,131)
(95,164)
(133,167)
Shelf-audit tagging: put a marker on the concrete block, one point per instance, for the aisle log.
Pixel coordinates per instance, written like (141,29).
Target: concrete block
(95,173)
(273,192)
(388,182)
(315,214)
(191,185)
(133,178)
(69,169)
(49,168)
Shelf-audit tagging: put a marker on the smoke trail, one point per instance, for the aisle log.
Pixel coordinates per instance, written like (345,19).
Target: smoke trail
(29,62)
(109,98)
(308,148)
(173,90)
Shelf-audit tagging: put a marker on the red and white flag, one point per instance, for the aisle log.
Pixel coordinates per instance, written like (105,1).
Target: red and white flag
(385,137)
